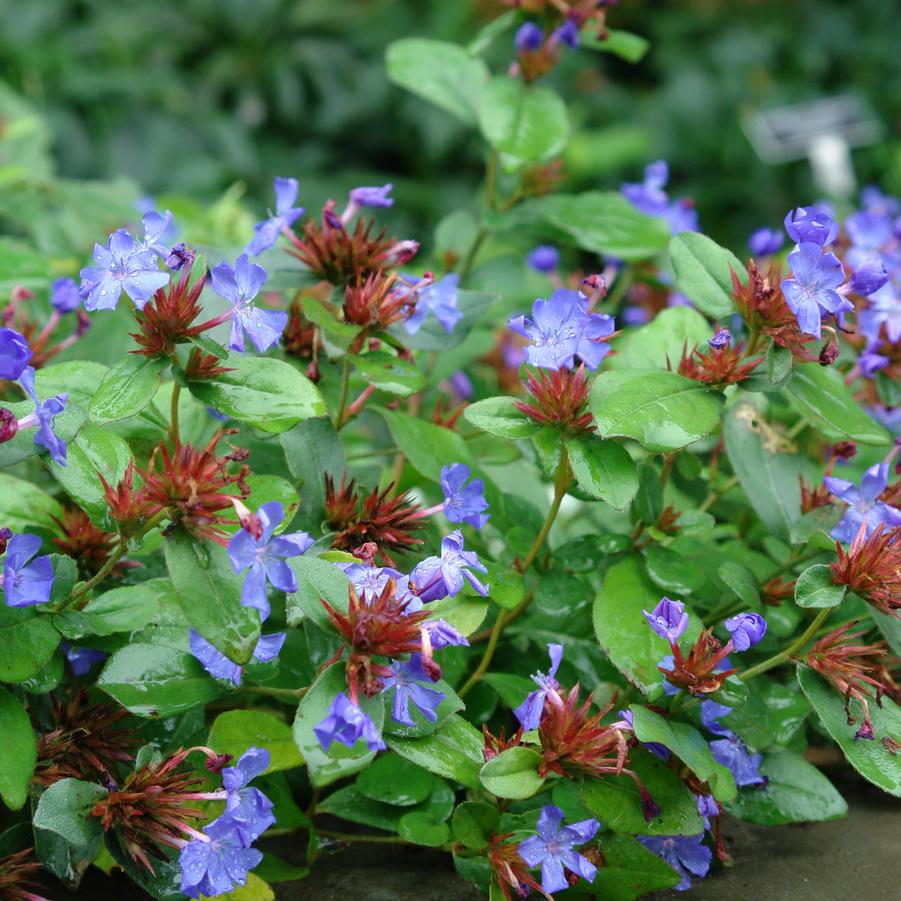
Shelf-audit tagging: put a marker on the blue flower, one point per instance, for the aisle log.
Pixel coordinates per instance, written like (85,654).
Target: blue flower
(248,808)
(14,354)
(376,197)
(707,808)
(346,723)
(568,33)
(864,510)
(216,866)
(463,503)
(868,277)
(553,848)
(26,583)
(650,198)
(765,242)
(746,629)
(121,266)
(723,338)
(883,309)
(668,619)
(437,577)
(240,286)
(711,712)
(811,225)
(156,227)
(529,712)
(812,289)
(439,298)
(218,665)
(686,854)
(733,753)
(544,258)
(44,414)
(81,659)
(265,557)
(286,214)
(529,38)
(64,296)
(411,683)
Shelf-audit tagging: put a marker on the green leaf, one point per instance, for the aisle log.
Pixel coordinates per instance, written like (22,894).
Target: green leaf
(21,446)
(153,680)
(630,870)
(275,869)
(325,767)
(525,121)
(418,827)
(474,822)
(120,610)
(814,588)
(603,222)
(778,364)
(454,751)
(389,373)
(741,580)
(313,450)
(94,450)
(209,594)
(624,44)
(262,392)
(769,477)
(28,641)
(704,272)
(688,745)
(427,446)
(18,751)
(65,807)
(507,588)
(440,72)
(672,572)
(513,773)
(813,528)
(464,613)
(871,759)
(662,340)
(317,580)
(350,804)
(771,716)
(126,389)
(795,792)
(393,780)
(616,801)
(499,416)
(823,398)
(890,627)
(24,506)
(604,469)
(622,630)
(234,731)
(661,410)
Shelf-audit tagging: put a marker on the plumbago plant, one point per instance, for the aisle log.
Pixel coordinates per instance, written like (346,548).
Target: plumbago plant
(548,552)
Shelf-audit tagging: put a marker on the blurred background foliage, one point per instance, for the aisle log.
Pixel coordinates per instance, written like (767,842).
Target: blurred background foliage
(208,99)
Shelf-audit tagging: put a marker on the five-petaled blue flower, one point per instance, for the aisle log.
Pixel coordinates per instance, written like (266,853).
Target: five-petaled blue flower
(219,666)
(240,286)
(437,577)
(122,265)
(216,866)
(439,298)
(811,290)
(248,808)
(864,507)
(44,414)
(811,225)
(668,619)
(686,854)
(412,684)
(26,583)
(14,354)
(346,723)
(746,629)
(529,712)
(286,214)
(463,503)
(265,557)
(553,849)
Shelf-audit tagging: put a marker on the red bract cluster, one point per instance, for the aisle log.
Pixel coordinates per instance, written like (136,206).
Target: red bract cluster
(717,365)
(855,670)
(377,301)
(87,544)
(389,522)
(86,742)
(19,874)
(871,567)
(509,869)
(697,671)
(559,398)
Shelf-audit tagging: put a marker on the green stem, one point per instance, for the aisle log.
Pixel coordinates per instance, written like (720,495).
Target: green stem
(345,385)
(485,662)
(370,839)
(471,254)
(790,651)
(714,495)
(173,414)
(291,693)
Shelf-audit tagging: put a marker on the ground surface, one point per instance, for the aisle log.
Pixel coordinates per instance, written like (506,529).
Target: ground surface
(846,860)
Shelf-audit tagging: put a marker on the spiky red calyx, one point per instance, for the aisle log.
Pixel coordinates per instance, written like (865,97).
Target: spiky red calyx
(871,568)
(376,301)
(19,874)
(87,544)
(717,365)
(559,398)
(697,671)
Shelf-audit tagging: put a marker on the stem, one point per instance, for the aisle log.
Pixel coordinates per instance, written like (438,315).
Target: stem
(114,558)
(173,414)
(714,495)
(790,651)
(293,693)
(372,839)
(480,236)
(562,481)
(345,384)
